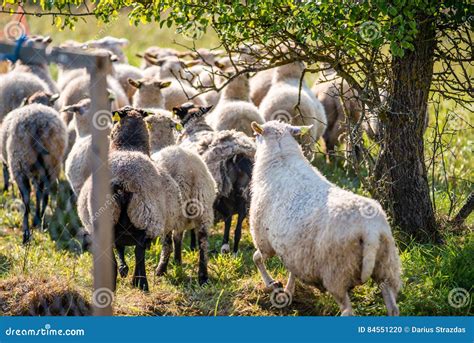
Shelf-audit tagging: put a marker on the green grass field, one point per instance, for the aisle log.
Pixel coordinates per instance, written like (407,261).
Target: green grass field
(53,266)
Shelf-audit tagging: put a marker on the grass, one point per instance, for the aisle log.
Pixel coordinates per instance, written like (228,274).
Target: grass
(53,270)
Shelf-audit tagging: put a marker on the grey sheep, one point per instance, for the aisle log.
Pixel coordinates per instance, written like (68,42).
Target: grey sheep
(39,69)
(35,145)
(229,156)
(139,215)
(15,86)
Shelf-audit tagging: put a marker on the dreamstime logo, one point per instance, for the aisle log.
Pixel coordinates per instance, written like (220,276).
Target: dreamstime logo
(281,115)
(369,211)
(469,21)
(280,298)
(192,208)
(102,120)
(14,30)
(102,297)
(458,297)
(369,30)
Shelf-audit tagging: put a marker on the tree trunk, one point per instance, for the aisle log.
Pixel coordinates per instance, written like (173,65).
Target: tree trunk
(402,183)
(465,211)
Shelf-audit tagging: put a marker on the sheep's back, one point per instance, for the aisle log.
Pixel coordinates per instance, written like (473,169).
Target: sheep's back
(155,197)
(37,126)
(15,86)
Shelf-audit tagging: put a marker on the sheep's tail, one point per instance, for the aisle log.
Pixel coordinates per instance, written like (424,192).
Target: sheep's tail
(371,243)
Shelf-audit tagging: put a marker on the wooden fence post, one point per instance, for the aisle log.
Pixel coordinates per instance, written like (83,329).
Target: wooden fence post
(103,237)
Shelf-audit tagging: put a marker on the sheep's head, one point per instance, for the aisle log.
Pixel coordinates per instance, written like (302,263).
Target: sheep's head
(189,112)
(172,66)
(149,91)
(41,98)
(42,41)
(129,131)
(277,131)
(162,130)
(80,113)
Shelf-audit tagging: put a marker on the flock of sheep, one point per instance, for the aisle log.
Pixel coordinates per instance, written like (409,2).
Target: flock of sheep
(181,160)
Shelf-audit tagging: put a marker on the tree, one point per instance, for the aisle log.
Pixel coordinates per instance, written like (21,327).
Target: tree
(373,45)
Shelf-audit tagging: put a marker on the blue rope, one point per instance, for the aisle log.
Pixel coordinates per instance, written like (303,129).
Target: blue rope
(16,52)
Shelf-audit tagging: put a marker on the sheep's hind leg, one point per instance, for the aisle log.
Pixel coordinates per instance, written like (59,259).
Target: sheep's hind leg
(389,299)
(25,189)
(225,249)
(259,260)
(139,277)
(165,255)
(177,243)
(123,267)
(203,251)
(6,178)
(39,196)
(193,243)
(290,285)
(238,228)
(344,303)
(45,199)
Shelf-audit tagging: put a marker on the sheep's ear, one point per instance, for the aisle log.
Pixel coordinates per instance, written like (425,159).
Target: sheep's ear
(24,102)
(139,55)
(165,84)
(204,110)
(54,98)
(47,40)
(219,65)
(256,128)
(182,54)
(113,58)
(135,83)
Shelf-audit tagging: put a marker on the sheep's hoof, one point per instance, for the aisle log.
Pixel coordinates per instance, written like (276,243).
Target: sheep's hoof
(36,222)
(347,313)
(123,270)
(203,279)
(141,283)
(225,249)
(26,237)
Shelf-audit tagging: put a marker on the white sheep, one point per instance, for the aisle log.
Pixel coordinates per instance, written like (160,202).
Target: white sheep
(78,165)
(285,94)
(181,90)
(260,84)
(198,191)
(234,110)
(35,145)
(324,235)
